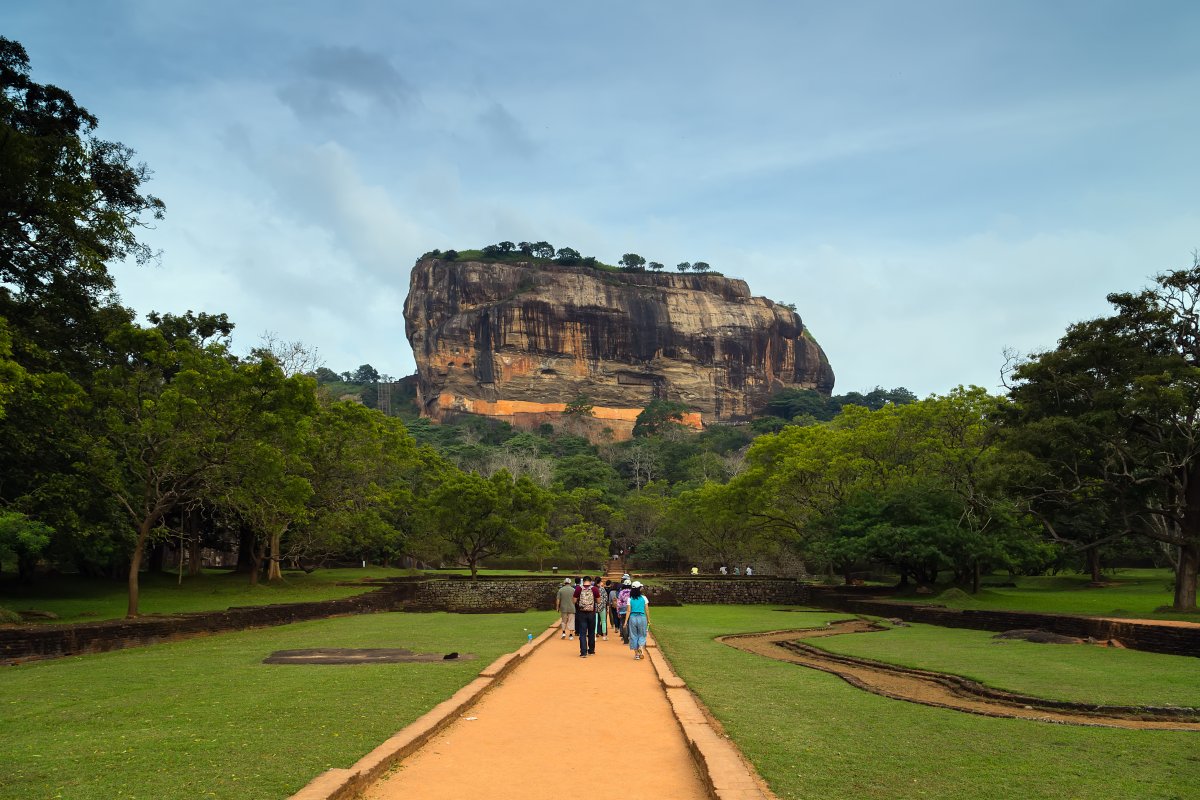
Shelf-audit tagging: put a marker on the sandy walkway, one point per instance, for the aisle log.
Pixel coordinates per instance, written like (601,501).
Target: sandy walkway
(526,739)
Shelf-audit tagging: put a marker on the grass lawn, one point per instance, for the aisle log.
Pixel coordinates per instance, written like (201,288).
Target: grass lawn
(1078,673)
(1136,593)
(812,735)
(206,718)
(78,599)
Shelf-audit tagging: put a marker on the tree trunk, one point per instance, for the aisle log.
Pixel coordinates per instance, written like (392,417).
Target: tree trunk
(259,552)
(135,564)
(274,573)
(1093,560)
(195,556)
(1185,577)
(245,562)
(191,527)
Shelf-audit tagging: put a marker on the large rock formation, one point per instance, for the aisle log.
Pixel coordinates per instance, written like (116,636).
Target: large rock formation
(519,341)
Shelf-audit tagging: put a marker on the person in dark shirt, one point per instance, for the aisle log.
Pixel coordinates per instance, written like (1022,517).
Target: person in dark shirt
(587,599)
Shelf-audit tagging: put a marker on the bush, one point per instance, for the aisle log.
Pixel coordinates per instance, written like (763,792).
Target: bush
(8,617)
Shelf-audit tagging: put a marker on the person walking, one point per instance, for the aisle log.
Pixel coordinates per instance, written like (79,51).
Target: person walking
(586,598)
(601,612)
(564,604)
(623,607)
(637,620)
(614,589)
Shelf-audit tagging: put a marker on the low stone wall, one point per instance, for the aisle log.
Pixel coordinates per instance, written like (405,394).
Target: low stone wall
(493,595)
(27,642)
(738,591)
(1170,639)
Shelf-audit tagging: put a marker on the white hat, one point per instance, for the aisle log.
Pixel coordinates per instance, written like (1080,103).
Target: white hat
(626,581)
(637,584)
(566,581)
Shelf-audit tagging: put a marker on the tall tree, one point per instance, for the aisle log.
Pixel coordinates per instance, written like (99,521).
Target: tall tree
(173,420)
(470,518)
(1112,415)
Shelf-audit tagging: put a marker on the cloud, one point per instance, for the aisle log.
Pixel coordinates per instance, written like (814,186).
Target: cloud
(505,132)
(340,81)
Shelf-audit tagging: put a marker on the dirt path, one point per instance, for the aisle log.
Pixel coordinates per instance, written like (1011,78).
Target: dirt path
(944,691)
(527,739)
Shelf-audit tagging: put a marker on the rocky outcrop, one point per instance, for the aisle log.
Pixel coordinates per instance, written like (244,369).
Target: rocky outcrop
(519,341)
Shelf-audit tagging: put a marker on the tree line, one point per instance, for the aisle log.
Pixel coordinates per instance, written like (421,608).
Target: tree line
(543,252)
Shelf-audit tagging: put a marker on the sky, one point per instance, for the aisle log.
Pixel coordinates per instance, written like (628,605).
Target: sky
(933,184)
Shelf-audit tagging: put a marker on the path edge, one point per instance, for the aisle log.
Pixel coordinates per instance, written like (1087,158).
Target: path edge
(724,770)
(347,783)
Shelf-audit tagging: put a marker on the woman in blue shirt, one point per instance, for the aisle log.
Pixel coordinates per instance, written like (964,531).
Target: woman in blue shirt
(637,619)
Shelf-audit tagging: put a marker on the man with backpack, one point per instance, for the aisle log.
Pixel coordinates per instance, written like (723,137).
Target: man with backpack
(587,599)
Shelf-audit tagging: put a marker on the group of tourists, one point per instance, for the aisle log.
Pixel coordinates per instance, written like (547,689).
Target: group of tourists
(590,610)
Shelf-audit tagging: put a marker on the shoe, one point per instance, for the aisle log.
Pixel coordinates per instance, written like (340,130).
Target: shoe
(606,638)
(571,637)
(562,636)
(583,655)
(591,652)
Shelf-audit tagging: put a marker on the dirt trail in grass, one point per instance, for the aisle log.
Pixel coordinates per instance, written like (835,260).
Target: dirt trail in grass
(557,726)
(942,690)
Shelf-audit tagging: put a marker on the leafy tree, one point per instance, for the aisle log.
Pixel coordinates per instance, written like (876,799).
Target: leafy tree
(71,203)
(632,262)
(526,248)
(683,266)
(584,542)
(22,539)
(174,419)
(366,374)
(658,417)
(708,528)
(701,266)
(586,471)
(567,256)
(581,406)
(326,375)
(656,266)
(470,518)
(543,250)
(450,255)
(506,247)
(1112,416)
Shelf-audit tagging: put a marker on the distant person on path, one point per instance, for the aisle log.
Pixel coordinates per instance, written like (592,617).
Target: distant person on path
(637,620)
(623,607)
(601,611)
(586,598)
(749,570)
(564,604)
(737,571)
(695,570)
(723,570)
(614,589)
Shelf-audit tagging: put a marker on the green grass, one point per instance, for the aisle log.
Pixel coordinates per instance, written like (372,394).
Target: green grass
(206,718)
(812,735)
(77,599)
(1137,593)
(1077,673)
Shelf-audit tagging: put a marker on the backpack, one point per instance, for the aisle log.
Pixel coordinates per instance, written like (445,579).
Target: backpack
(587,600)
(623,599)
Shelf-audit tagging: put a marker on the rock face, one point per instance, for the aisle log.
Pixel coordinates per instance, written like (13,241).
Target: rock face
(519,341)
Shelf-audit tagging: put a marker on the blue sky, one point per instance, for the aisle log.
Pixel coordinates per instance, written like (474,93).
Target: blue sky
(930,182)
